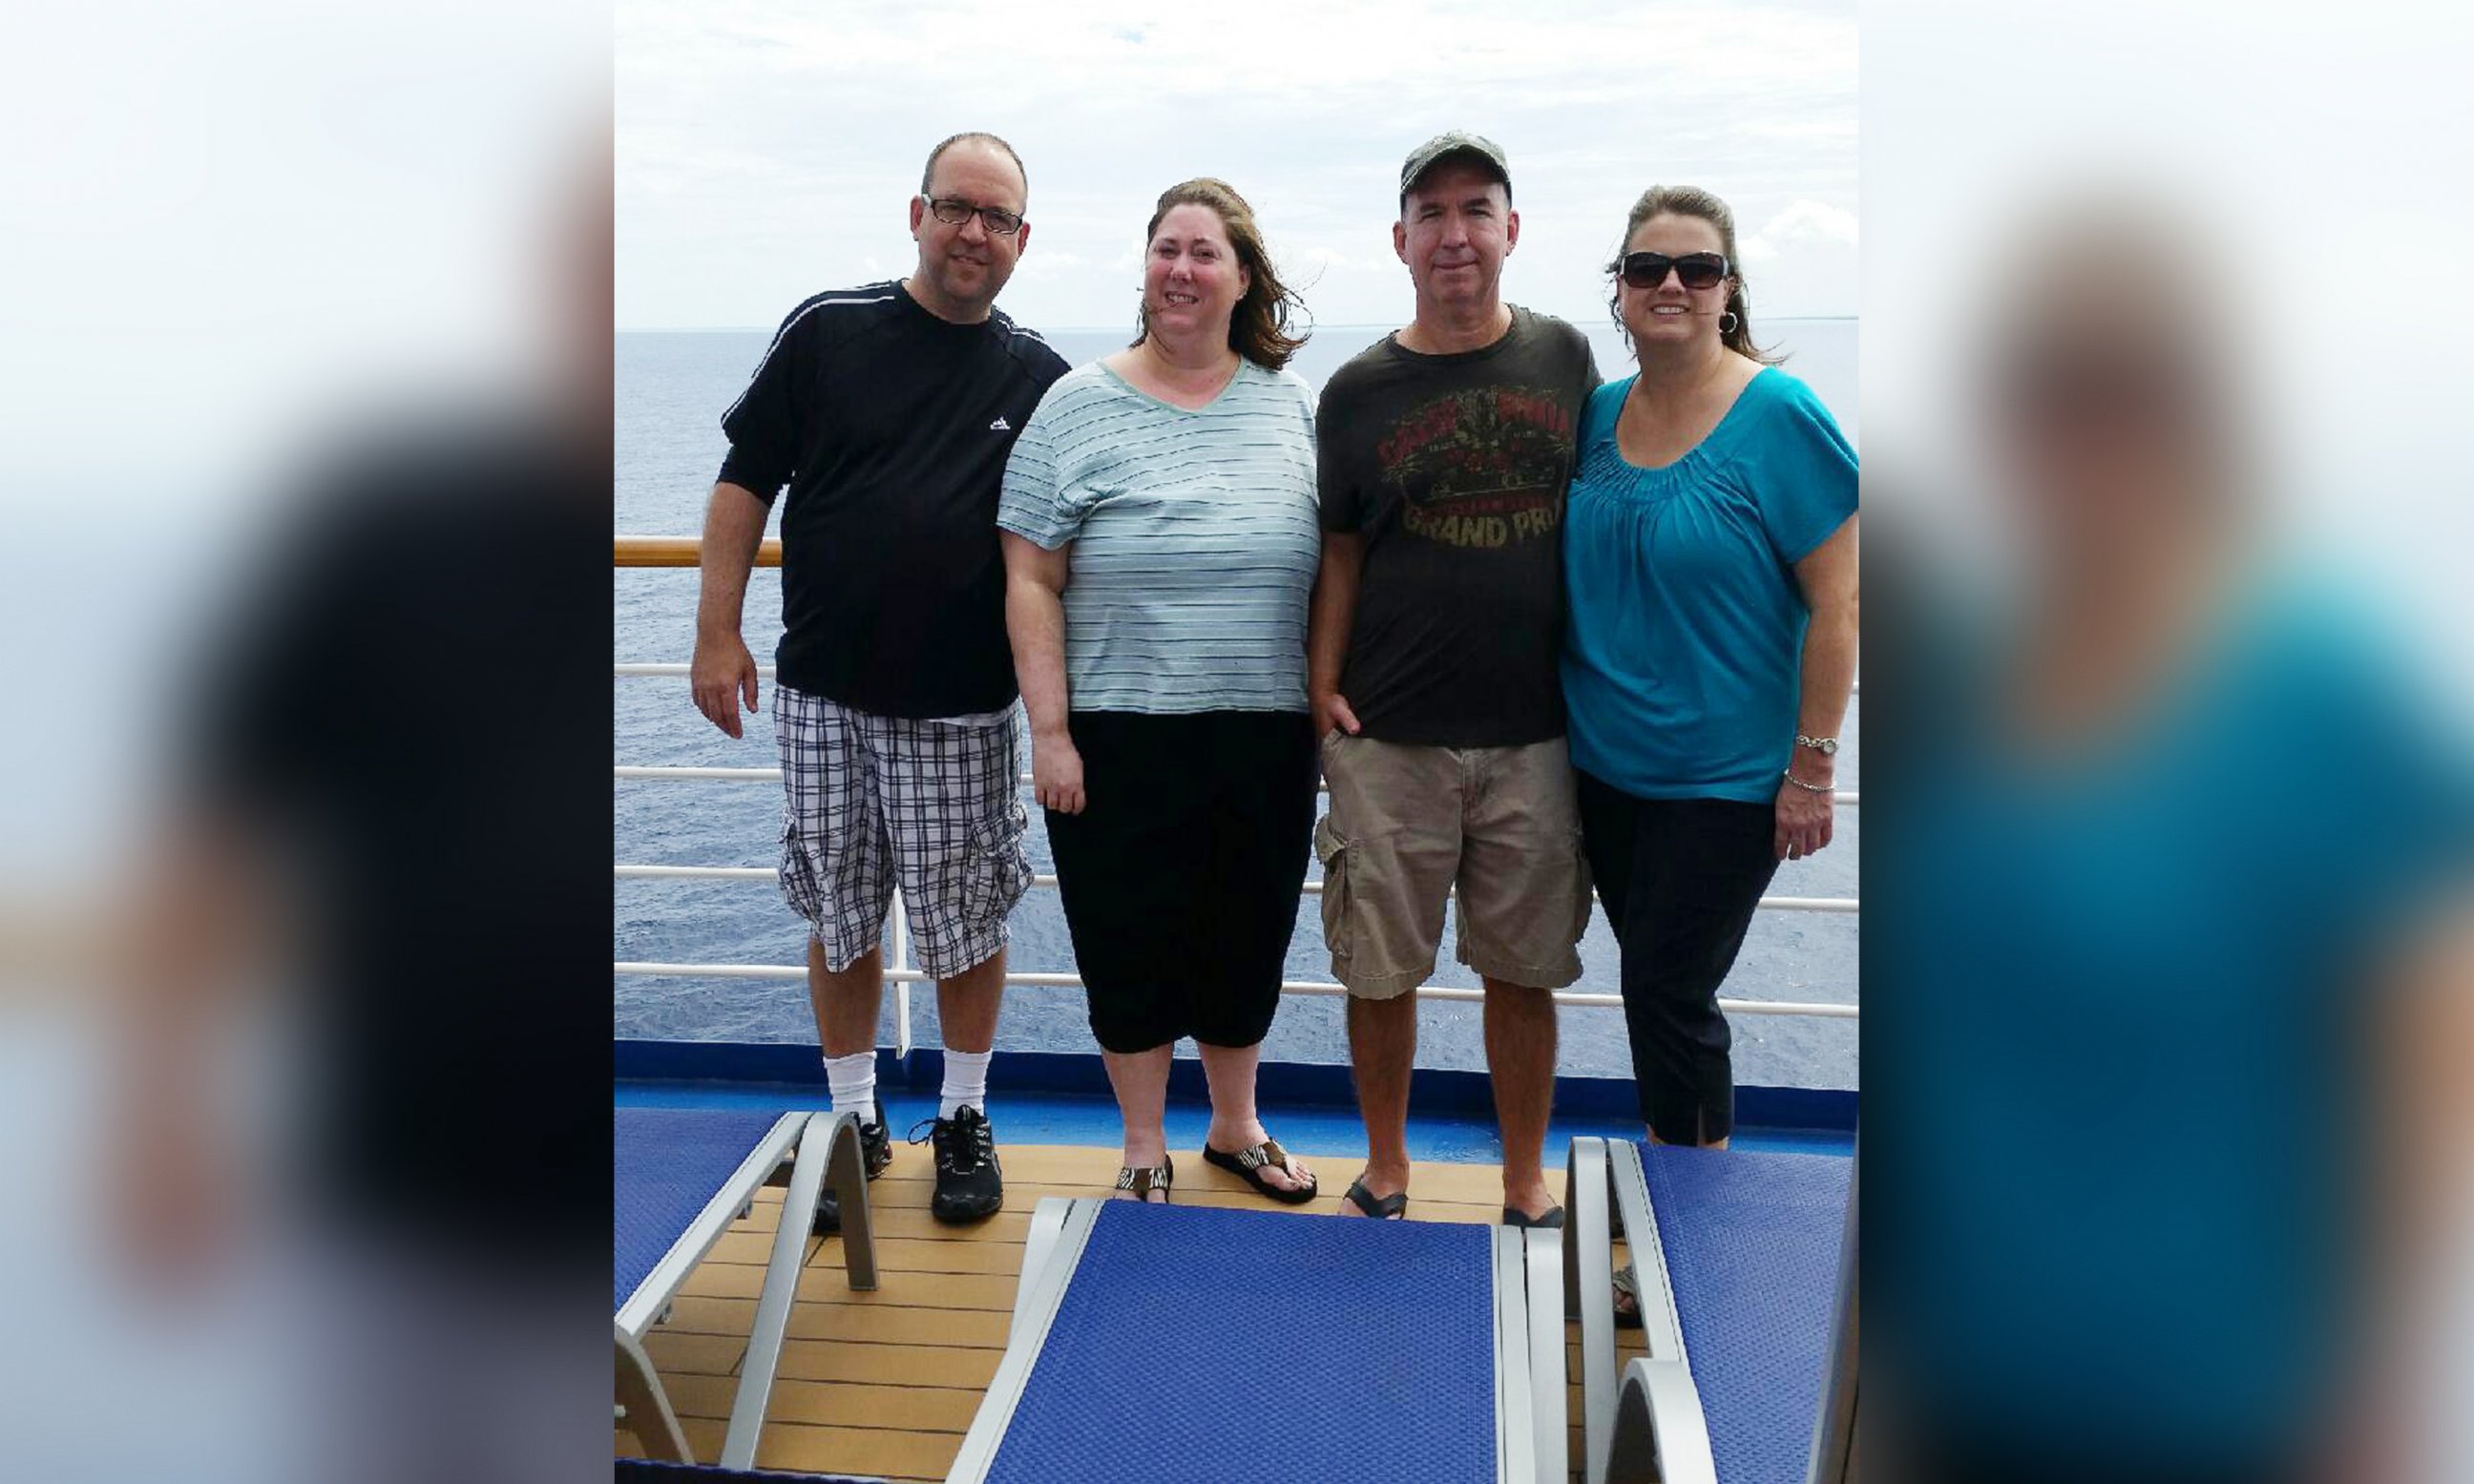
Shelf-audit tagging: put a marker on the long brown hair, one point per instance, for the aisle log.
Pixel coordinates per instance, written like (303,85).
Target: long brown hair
(1693,200)
(1258,327)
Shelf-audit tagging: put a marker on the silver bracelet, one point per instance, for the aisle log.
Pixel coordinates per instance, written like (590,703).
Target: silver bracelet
(1809,787)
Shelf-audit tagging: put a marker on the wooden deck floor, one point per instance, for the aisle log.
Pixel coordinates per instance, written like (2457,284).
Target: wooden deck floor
(886,1383)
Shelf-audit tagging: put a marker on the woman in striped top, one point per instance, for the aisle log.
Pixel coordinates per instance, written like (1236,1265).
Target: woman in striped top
(1160,543)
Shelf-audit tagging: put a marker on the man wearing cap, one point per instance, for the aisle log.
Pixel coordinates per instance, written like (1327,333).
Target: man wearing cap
(1443,453)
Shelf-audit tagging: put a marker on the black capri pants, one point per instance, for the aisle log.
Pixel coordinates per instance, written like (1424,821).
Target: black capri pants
(1181,876)
(1679,880)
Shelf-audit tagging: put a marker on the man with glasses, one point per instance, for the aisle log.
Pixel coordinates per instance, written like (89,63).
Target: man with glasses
(1443,453)
(888,412)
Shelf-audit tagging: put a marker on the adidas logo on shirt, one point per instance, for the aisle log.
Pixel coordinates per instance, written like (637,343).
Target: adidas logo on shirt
(1001,425)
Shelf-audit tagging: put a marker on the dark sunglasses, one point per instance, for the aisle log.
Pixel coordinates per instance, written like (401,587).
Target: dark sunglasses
(954,213)
(1648,270)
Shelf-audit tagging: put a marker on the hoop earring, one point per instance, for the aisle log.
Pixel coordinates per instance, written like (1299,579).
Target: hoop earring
(1727,322)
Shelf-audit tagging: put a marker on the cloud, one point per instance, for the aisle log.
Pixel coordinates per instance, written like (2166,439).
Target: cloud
(763,146)
(1806,224)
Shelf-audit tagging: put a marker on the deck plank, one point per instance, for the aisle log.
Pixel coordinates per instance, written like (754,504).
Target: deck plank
(838,1404)
(865,1450)
(891,1365)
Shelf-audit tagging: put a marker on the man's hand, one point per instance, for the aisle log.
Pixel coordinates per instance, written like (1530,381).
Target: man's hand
(1331,713)
(722,675)
(1056,772)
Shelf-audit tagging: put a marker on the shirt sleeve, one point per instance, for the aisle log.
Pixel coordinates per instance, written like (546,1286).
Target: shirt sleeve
(1030,503)
(1804,475)
(763,424)
(1335,488)
(1588,384)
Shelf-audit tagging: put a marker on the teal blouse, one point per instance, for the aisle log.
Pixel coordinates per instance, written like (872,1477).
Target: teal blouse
(1685,629)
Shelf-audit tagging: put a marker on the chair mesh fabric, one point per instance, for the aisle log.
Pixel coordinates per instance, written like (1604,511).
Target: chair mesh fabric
(665,1164)
(1752,1250)
(1215,1347)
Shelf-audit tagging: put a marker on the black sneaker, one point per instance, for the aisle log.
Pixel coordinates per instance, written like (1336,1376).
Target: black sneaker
(969,1185)
(876,1149)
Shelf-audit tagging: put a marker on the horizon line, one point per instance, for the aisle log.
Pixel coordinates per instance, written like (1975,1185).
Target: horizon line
(1084,329)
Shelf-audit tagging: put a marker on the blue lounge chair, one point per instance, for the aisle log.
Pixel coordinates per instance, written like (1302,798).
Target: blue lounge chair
(1228,1347)
(679,1177)
(1744,1312)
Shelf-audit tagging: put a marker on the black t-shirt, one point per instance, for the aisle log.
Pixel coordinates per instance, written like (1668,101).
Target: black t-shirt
(892,428)
(1453,469)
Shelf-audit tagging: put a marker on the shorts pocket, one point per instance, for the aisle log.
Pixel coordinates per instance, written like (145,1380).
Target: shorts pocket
(999,872)
(799,885)
(1333,852)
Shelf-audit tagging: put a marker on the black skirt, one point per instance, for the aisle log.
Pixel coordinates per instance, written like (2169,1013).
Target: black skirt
(1180,878)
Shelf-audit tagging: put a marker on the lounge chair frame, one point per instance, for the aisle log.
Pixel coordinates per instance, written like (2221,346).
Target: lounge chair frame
(1648,1421)
(828,1148)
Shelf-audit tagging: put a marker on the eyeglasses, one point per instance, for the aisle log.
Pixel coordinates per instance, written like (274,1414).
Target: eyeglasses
(1697,270)
(953,212)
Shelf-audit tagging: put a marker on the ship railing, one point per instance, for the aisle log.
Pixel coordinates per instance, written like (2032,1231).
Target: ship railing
(901,973)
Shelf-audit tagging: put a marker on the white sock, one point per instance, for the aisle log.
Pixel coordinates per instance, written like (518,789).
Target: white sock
(966,1081)
(854,1083)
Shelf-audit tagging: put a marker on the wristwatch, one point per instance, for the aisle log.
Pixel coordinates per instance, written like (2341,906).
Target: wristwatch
(1827,746)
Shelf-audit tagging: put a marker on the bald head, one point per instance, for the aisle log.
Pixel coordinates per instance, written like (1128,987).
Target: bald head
(985,142)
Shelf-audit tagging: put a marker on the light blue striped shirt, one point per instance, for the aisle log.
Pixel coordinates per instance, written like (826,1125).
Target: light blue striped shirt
(1194,539)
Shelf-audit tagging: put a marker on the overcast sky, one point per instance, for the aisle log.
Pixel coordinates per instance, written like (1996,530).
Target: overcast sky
(766,150)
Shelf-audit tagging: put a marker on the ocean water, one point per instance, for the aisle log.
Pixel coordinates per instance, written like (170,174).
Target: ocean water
(670,388)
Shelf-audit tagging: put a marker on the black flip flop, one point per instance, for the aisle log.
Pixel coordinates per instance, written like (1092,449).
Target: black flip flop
(1391,1208)
(1246,1164)
(1550,1219)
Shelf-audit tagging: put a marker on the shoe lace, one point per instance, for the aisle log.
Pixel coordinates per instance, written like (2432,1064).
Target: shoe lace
(963,1146)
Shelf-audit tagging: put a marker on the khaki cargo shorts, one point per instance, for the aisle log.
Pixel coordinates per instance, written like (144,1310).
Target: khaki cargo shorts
(1410,824)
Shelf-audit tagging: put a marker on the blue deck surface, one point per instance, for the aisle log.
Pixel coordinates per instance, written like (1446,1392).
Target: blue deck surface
(1228,1347)
(1752,1246)
(665,1164)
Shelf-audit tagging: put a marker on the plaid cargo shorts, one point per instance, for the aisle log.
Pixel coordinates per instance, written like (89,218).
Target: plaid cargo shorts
(870,802)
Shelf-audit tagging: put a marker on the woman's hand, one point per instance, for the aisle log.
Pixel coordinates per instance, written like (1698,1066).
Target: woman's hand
(1804,819)
(1056,772)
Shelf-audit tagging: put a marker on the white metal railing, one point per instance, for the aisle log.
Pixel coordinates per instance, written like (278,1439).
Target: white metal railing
(638,670)
(1775,904)
(1845,796)
(905,976)
(902,974)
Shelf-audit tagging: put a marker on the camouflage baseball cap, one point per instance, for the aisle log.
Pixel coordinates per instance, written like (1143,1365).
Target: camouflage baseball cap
(1444,146)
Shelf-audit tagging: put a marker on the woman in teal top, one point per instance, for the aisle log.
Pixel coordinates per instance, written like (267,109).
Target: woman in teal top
(1710,568)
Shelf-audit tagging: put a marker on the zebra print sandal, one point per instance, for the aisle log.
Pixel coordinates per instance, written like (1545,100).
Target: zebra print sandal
(1141,1182)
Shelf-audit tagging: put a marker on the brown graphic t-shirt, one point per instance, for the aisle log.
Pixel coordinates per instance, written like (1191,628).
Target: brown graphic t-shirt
(1453,469)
